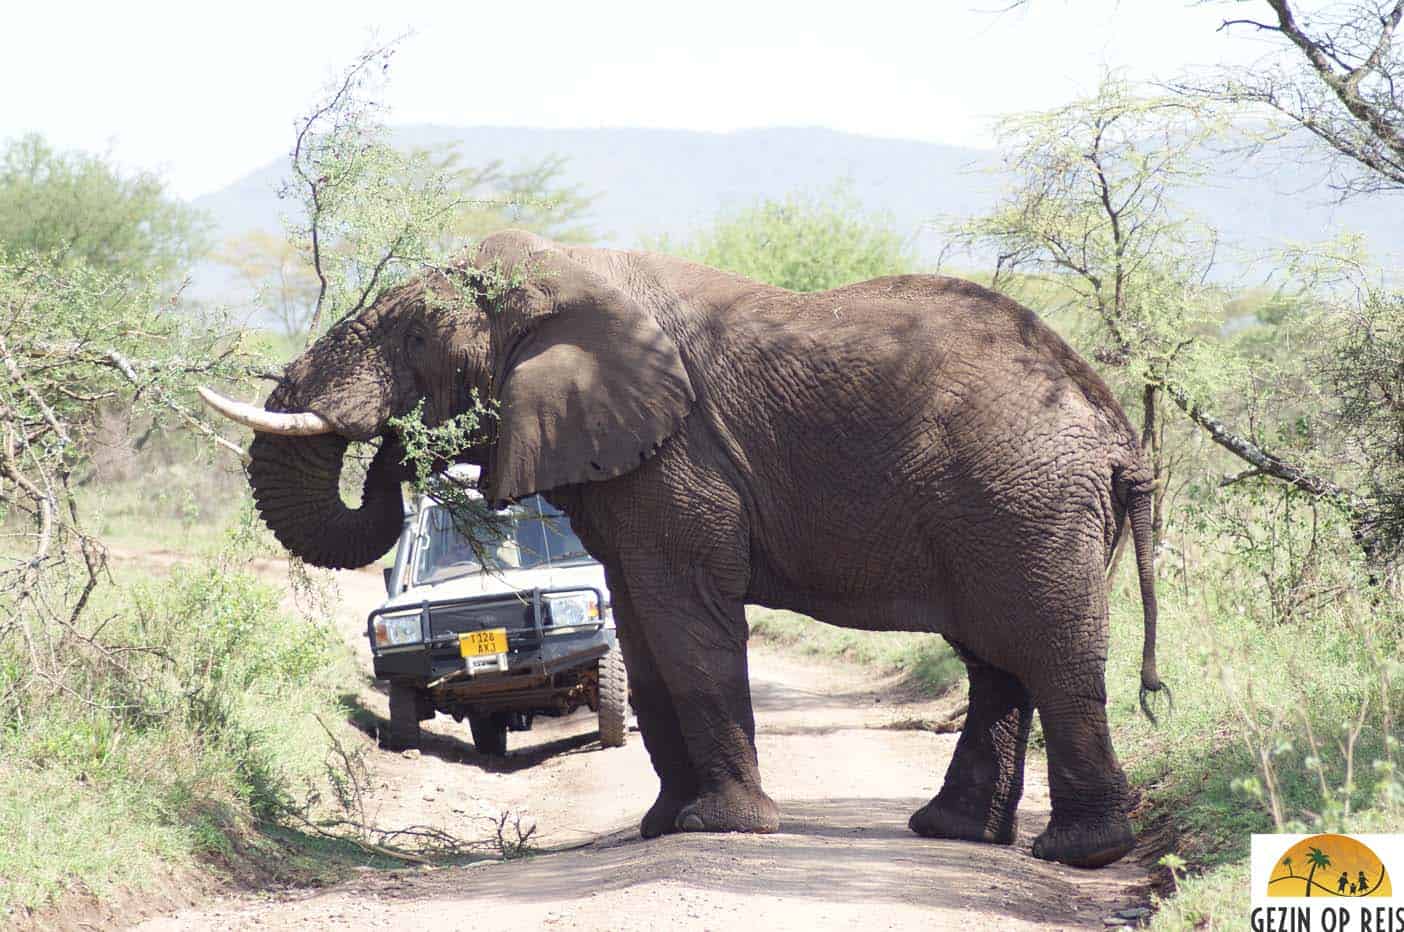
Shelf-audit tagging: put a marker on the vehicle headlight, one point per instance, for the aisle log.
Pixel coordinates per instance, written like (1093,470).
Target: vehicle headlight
(396,629)
(569,610)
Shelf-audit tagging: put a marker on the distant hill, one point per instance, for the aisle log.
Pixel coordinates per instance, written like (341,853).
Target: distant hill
(652,181)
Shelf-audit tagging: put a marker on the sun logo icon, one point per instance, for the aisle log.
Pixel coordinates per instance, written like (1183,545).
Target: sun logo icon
(1329,865)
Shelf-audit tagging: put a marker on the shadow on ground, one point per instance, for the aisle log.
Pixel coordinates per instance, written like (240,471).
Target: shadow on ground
(454,750)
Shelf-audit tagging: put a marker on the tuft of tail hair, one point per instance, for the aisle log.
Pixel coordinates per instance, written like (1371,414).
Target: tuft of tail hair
(1140,504)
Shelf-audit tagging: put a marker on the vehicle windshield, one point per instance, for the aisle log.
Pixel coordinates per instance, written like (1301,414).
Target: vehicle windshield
(535,534)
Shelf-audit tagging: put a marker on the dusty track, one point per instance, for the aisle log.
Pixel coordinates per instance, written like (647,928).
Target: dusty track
(846,780)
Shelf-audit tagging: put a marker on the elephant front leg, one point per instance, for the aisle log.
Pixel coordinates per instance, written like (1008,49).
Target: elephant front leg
(980,797)
(657,718)
(699,642)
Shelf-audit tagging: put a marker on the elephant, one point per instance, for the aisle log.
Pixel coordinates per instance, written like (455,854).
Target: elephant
(911,453)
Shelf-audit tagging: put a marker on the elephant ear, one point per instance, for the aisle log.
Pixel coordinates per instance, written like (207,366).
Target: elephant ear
(590,387)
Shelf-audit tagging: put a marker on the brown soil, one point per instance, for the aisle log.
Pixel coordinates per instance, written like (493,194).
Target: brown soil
(843,752)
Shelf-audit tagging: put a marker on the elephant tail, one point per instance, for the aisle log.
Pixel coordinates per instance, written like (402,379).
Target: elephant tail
(1140,503)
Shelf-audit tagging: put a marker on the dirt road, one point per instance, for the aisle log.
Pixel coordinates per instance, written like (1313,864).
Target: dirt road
(838,753)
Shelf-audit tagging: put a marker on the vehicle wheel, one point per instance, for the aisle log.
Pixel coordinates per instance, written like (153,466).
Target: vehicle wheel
(614,699)
(489,734)
(402,732)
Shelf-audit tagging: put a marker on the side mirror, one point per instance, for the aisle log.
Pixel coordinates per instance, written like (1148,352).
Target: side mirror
(389,574)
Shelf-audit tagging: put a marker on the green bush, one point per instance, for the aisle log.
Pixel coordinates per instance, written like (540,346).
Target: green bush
(197,717)
(803,242)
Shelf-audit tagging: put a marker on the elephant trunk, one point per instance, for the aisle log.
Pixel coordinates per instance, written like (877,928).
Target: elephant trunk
(296,487)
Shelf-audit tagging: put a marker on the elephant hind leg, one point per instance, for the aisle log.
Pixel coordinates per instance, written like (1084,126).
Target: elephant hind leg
(980,797)
(1089,827)
(1062,662)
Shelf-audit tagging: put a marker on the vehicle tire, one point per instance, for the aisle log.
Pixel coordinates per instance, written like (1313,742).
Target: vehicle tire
(402,731)
(614,699)
(489,734)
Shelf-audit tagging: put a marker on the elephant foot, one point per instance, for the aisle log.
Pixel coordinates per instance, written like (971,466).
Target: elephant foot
(1085,845)
(938,819)
(662,816)
(734,809)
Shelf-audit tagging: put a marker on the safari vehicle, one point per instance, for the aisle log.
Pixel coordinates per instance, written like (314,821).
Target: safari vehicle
(499,633)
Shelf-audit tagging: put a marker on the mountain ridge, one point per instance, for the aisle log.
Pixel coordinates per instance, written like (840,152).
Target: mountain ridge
(651,182)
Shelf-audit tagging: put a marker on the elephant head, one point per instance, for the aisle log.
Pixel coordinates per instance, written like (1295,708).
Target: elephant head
(584,382)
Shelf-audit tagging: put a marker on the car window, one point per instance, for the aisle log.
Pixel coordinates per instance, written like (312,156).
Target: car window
(561,543)
(536,535)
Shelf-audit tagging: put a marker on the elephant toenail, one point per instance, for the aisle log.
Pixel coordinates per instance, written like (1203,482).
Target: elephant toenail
(691,822)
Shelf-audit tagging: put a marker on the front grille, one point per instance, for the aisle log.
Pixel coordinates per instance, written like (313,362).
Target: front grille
(513,614)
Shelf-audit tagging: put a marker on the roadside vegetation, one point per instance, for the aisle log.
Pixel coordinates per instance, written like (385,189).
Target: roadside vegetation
(806,241)
(159,715)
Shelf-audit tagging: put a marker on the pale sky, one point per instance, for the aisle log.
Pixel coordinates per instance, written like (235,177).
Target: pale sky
(207,92)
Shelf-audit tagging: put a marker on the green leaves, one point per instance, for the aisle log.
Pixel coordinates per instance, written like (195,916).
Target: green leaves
(1091,206)
(430,451)
(1364,371)
(365,214)
(79,209)
(804,243)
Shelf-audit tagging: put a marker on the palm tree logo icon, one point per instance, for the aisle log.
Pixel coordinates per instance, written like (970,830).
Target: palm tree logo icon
(1362,873)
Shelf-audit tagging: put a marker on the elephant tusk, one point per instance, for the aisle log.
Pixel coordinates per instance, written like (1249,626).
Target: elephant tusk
(302,424)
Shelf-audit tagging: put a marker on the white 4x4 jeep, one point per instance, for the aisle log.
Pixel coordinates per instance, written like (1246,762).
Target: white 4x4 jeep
(527,632)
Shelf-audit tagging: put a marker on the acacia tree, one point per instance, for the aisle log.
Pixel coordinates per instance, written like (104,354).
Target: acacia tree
(1090,212)
(484,199)
(367,213)
(274,268)
(1336,80)
(90,324)
(74,340)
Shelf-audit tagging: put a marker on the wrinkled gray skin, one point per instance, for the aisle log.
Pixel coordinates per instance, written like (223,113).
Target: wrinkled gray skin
(911,453)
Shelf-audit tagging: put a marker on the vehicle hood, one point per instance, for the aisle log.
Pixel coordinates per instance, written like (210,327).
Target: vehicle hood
(506,582)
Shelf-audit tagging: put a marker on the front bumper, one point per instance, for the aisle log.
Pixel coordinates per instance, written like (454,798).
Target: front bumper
(533,654)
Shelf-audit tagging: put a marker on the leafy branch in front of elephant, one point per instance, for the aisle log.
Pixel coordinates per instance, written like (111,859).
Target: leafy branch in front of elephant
(430,451)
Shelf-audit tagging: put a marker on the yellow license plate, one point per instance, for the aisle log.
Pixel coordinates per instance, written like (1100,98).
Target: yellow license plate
(481,643)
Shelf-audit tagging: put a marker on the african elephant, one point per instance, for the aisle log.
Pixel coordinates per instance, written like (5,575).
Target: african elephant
(909,453)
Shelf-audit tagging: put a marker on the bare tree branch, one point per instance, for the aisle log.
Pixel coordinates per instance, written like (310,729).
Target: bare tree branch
(1263,461)
(1343,92)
